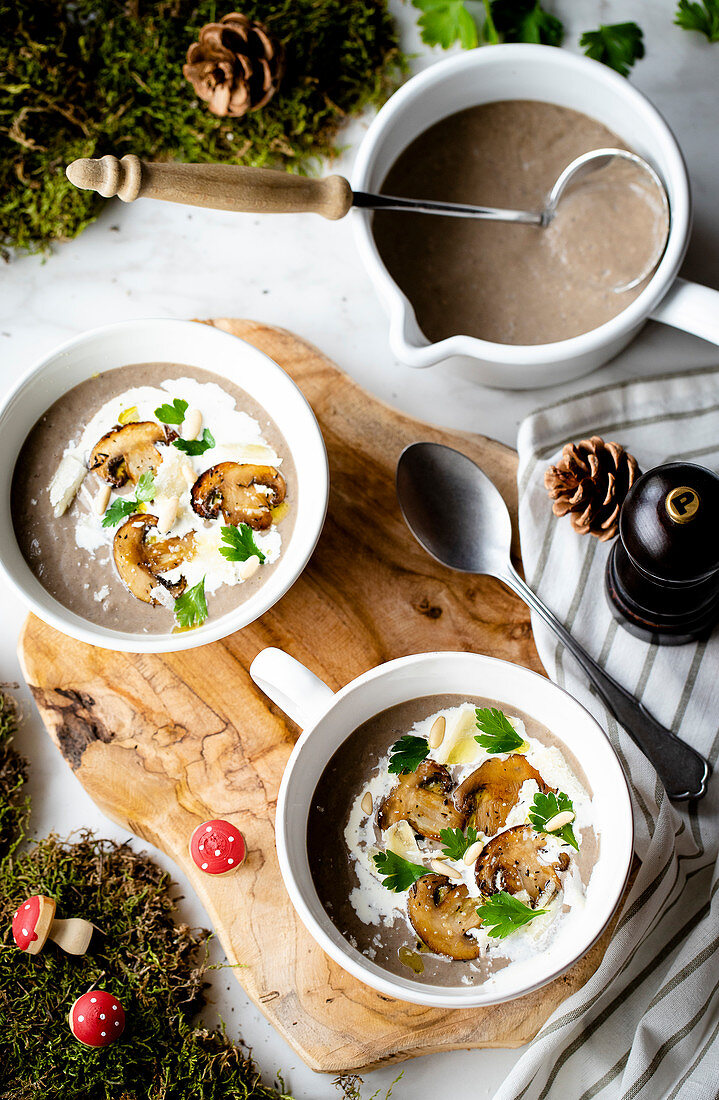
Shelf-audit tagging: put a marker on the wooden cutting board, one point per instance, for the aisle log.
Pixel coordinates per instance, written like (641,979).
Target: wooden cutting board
(162,743)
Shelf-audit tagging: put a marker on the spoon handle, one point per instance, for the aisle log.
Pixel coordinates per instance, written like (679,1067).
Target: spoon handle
(681,769)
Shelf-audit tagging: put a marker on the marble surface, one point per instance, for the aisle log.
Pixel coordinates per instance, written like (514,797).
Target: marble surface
(303,273)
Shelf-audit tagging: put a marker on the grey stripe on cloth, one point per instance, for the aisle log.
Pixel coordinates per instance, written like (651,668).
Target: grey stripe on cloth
(646,1024)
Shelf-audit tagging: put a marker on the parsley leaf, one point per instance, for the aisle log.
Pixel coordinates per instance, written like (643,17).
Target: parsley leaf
(547,806)
(145,490)
(498,734)
(195,447)
(172,414)
(703,17)
(618,45)
(445,22)
(121,508)
(241,543)
(407,754)
(398,873)
(505,914)
(527,21)
(456,843)
(191,607)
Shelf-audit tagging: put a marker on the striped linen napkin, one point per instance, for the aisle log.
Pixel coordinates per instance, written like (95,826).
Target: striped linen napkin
(646,1025)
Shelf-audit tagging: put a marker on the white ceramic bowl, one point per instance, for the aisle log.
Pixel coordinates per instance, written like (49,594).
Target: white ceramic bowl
(555,76)
(183,343)
(327,719)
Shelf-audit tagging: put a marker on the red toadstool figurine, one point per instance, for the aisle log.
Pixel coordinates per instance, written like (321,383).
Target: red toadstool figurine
(217,847)
(34,923)
(97,1018)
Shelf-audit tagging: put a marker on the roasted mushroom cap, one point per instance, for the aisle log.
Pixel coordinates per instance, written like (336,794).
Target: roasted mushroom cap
(124,454)
(491,791)
(513,861)
(423,798)
(140,563)
(442,914)
(230,487)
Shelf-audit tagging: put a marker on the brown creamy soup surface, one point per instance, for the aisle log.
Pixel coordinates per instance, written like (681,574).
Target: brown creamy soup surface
(517,284)
(130,489)
(420,869)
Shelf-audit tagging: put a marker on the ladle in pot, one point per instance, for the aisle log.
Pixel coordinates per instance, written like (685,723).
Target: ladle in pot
(267,191)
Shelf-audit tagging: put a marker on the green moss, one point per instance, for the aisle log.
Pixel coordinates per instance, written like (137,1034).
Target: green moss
(83,78)
(157,967)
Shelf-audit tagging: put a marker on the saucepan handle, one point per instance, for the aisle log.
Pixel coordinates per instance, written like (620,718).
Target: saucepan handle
(295,690)
(691,307)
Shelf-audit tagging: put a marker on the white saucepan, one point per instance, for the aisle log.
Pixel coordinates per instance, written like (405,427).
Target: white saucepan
(555,76)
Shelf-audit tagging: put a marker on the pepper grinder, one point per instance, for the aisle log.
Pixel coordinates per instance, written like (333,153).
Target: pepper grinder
(662,576)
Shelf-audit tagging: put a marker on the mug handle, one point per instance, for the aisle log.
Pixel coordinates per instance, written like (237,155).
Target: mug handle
(690,307)
(295,690)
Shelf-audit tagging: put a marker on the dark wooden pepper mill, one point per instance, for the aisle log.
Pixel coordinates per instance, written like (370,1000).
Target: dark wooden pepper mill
(662,575)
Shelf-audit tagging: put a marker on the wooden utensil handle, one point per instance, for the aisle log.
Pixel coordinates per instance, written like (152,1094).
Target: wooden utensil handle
(217,186)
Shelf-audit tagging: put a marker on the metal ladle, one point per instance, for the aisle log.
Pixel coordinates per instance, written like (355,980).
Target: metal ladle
(458,515)
(266,191)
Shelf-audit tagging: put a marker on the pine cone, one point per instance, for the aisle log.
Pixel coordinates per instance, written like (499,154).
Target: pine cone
(235,66)
(590,481)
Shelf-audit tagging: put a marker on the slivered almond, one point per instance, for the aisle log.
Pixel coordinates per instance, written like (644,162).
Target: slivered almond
(192,424)
(167,514)
(366,803)
(436,734)
(566,817)
(473,853)
(102,499)
(249,567)
(442,868)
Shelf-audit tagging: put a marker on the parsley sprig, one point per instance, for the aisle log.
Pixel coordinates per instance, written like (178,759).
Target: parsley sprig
(617,45)
(241,543)
(407,754)
(503,914)
(455,842)
(702,17)
(172,414)
(547,806)
(498,734)
(398,873)
(121,508)
(195,447)
(191,607)
(527,21)
(444,22)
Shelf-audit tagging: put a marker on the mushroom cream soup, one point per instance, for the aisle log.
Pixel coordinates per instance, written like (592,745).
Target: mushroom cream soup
(447,859)
(152,496)
(517,284)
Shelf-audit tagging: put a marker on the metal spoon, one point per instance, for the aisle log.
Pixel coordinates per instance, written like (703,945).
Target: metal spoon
(458,515)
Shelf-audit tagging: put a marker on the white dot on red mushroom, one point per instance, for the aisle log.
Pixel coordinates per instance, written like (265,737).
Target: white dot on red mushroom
(117,1023)
(24,931)
(93,1000)
(230,861)
(231,839)
(102,1015)
(114,1008)
(27,906)
(217,852)
(208,829)
(81,1019)
(103,1034)
(204,866)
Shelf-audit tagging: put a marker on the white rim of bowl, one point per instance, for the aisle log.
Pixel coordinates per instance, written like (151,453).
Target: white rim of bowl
(438,996)
(524,355)
(72,624)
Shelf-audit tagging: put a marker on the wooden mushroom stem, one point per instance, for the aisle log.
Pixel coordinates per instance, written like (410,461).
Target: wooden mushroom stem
(72,935)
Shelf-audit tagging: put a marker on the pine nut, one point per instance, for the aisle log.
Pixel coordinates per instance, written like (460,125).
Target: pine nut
(102,499)
(473,853)
(167,514)
(566,817)
(442,868)
(436,734)
(249,567)
(366,803)
(192,424)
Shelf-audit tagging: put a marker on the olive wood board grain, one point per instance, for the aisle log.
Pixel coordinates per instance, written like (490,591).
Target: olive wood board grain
(163,742)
